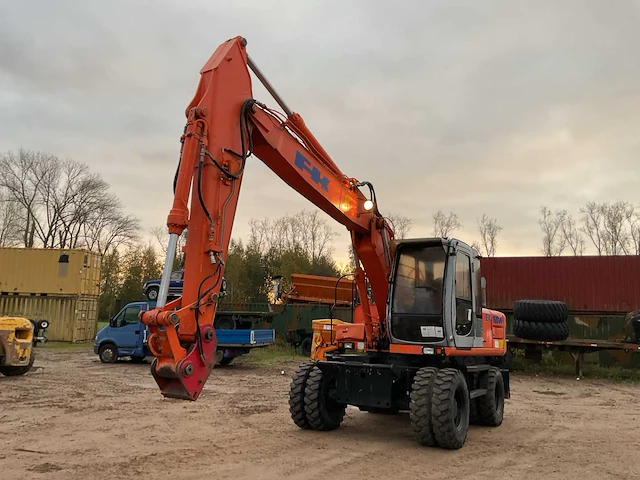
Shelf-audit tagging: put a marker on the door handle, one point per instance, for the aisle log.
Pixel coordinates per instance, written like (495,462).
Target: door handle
(137,331)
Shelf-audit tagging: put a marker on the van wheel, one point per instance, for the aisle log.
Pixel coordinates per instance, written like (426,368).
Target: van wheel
(108,353)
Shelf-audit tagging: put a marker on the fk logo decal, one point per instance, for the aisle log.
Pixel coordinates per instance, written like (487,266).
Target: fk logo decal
(303,164)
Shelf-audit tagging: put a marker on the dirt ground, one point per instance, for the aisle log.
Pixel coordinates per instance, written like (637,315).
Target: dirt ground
(73,417)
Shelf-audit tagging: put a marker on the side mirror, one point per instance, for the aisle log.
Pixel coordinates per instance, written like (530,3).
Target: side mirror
(483,284)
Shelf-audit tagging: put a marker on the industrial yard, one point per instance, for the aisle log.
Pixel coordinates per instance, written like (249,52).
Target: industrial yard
(78,418)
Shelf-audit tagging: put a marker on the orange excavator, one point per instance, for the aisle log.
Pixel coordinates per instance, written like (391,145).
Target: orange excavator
(421,339)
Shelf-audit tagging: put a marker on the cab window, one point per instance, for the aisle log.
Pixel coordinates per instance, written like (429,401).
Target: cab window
(127,317)
(464,316)
(176,275)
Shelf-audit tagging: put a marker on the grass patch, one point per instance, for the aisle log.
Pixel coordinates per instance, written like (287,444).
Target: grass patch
(67,346)
(552,367)
(102,325)
(279,353)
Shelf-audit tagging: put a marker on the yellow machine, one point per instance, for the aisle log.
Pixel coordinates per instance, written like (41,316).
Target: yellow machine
(18,336)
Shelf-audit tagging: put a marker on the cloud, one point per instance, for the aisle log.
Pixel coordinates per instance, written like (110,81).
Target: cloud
(489,107)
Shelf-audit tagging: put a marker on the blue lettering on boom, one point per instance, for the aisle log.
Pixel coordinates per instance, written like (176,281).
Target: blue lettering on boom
(303,164)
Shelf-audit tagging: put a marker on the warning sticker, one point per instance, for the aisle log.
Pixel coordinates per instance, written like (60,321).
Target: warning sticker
(439,332)
(428,331)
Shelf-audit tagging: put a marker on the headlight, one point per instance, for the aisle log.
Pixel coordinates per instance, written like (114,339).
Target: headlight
(44,324)
(348,345)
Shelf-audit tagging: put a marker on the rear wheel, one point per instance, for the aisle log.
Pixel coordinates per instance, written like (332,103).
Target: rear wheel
(296,395)
(450,408)
(491,405)
(420,405)
(322,412)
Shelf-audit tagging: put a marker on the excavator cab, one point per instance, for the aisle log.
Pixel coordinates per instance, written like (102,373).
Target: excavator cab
(436,294)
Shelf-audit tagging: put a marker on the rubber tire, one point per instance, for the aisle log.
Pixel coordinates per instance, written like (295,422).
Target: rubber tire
(449,384)
(227,361)
(224,322)
(323,414)
(296,395)
(543,311)
(305,347)
(490,407)
(152,293)
(13,371)
(420,401)
(549,332)
(104,348)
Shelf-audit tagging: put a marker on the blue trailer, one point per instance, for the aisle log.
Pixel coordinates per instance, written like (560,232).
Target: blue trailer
(126,336)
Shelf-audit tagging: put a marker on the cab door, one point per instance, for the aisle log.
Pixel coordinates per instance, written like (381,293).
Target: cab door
(127,329)
(464,317)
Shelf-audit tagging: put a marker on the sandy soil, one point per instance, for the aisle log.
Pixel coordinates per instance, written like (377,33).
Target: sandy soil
(73,417)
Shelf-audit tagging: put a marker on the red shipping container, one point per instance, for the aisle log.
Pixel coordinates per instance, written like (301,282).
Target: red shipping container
(587,284)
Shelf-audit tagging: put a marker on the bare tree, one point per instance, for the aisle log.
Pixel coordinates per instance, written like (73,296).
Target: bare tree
(444,225)
(634,229)
(63,204)
(162,237)
(10,227)
(571,234)
(553,242)
(305,231)
(109,229)
(612,228)
(489,229)
(592,214)
(401,225)
(617,236)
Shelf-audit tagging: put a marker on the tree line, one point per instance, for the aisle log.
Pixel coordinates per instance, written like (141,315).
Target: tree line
(49,202)
(609,228)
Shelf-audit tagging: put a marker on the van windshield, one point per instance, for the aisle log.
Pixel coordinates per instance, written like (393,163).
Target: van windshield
(419,280)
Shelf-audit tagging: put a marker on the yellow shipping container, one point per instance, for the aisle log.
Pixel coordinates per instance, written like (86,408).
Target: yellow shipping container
(49,271)
(71,318)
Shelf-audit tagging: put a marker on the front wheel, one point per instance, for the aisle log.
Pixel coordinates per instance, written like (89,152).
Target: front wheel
(108,353)
(450,408)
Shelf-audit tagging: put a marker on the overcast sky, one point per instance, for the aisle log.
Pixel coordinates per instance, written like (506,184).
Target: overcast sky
(474,107)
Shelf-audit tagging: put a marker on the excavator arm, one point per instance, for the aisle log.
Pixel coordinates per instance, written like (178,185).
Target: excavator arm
(225,126)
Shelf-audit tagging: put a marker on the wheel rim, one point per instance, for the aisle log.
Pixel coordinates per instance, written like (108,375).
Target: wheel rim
(153,294)
(108,354)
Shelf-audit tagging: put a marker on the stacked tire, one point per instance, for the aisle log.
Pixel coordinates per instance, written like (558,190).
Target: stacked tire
(542,320)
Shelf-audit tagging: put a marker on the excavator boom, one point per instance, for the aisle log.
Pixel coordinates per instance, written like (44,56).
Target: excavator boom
(225,126)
